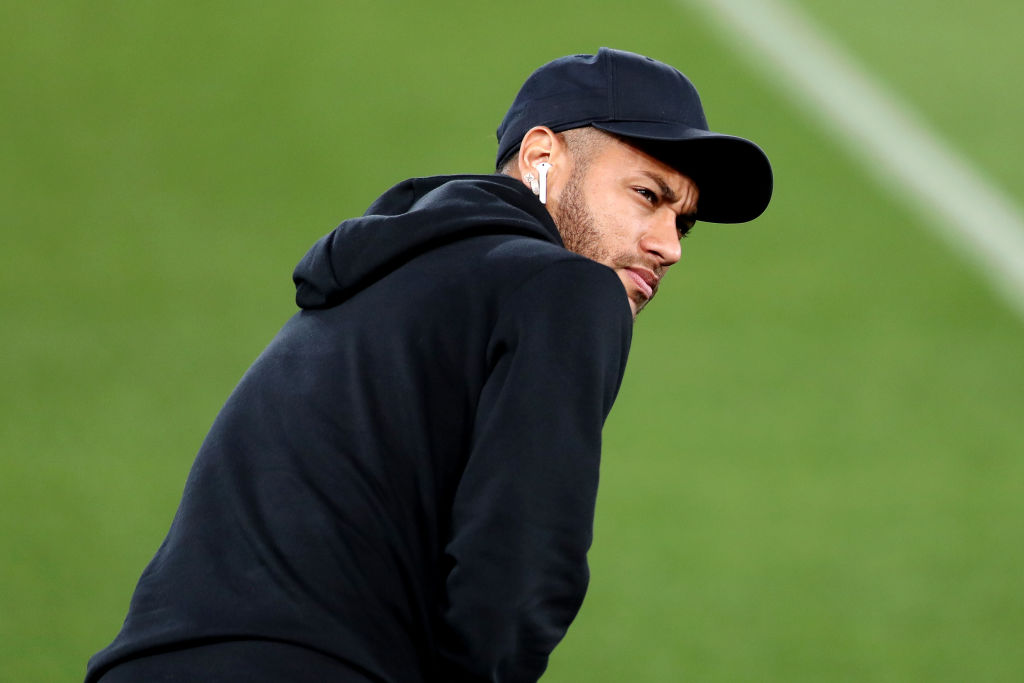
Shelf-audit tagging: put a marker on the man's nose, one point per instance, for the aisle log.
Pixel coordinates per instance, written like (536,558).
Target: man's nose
(662,239)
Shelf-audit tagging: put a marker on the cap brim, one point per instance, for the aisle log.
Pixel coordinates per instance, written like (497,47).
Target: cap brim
(733,174)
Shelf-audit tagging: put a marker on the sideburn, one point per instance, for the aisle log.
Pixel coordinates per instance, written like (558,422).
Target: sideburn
(575,223)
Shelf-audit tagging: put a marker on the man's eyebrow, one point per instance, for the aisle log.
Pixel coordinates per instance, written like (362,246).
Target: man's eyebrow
(685,221)
(666,192)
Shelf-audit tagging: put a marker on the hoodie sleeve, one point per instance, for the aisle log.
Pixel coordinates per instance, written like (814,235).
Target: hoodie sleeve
(522,519)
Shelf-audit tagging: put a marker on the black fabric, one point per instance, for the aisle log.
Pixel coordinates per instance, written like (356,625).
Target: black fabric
(231,661)
(403,483)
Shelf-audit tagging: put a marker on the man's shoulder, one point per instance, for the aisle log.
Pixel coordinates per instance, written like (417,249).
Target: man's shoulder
(526,252)
(535,274)
(523,258)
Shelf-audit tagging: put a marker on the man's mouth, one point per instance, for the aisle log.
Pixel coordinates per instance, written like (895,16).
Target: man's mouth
(645,281)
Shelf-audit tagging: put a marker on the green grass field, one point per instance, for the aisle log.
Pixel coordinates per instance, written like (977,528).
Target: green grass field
(815,469)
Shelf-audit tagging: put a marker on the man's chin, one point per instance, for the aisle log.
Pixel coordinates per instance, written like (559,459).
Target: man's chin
(637,303)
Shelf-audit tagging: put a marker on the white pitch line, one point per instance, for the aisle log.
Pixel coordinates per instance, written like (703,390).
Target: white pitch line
(914,164)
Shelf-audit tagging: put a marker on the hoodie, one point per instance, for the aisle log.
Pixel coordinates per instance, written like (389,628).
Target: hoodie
(401,487)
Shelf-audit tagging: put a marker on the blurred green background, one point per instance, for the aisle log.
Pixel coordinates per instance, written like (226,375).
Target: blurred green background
(814,471)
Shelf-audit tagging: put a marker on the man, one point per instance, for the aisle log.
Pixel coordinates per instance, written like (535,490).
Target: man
(401,488)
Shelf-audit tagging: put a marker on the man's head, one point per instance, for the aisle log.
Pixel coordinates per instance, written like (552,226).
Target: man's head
(632,162)
(612,202)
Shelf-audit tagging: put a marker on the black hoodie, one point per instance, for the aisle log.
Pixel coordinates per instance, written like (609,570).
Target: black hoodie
(401,488)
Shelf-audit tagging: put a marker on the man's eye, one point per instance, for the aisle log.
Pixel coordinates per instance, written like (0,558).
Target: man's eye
(649,195)
(683,226)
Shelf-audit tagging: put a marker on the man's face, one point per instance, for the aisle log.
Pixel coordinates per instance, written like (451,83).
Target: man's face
(627,210)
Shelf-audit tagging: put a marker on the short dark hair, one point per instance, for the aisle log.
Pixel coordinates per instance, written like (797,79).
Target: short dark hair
(581,142)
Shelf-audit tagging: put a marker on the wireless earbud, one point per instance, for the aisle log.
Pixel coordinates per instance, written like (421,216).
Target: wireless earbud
(542,169)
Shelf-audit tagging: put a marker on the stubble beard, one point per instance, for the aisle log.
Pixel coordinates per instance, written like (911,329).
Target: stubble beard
(580,231)
(576,223)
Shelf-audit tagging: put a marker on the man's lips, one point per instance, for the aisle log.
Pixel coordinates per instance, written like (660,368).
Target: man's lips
(644,279)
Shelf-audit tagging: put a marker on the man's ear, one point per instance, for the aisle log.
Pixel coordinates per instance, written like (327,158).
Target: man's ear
(539,144)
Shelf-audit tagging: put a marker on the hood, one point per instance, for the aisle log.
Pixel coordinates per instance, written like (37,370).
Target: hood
(413,217)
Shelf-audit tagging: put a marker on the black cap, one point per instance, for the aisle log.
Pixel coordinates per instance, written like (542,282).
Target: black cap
(658,110)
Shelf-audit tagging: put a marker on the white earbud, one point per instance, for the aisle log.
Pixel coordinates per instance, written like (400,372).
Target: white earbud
(542,169)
